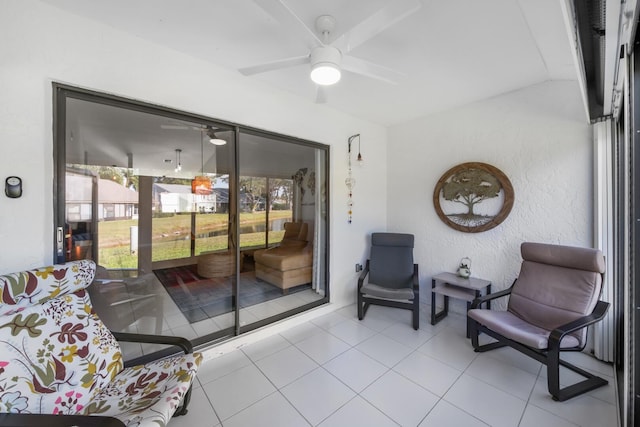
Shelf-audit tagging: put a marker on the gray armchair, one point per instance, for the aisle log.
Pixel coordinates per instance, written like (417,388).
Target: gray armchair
(392,275)
(551,303)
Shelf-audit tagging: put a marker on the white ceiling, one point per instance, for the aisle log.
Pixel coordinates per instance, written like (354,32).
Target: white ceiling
(452,52)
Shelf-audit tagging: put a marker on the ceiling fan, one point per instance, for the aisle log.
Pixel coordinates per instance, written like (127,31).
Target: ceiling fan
(329,57)
(213,134)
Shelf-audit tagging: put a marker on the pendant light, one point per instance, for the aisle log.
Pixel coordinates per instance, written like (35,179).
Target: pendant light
(201,184)
(178,163)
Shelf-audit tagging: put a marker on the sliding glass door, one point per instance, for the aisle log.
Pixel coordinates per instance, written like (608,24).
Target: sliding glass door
(282,226)
(190,220)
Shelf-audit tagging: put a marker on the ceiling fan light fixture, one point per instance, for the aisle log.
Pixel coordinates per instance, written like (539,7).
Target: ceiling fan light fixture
(325,65)
(217,141)
(213,139)
(325,74)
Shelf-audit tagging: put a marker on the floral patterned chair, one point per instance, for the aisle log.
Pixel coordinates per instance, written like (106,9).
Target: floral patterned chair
(58,360)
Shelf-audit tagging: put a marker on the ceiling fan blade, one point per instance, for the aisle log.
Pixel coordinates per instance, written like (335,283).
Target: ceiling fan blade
(178,126)
(321,94)
(369,69)
(376,23)
(275,65)
(292,23)
(173,127)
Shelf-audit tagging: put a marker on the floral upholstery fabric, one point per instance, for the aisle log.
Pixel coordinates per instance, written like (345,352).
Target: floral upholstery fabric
(57,357)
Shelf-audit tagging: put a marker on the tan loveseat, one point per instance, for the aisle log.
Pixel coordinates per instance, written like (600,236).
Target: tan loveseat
(289,264)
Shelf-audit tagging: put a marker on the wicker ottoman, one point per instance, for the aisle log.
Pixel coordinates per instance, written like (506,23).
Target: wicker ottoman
(217,264)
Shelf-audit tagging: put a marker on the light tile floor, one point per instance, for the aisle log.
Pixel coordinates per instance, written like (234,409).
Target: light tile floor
(338,371)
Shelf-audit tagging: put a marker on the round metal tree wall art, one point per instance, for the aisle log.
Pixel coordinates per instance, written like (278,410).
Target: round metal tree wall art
(473,197)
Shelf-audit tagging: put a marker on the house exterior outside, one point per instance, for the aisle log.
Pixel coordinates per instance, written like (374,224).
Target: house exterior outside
(115,201)
(177,198)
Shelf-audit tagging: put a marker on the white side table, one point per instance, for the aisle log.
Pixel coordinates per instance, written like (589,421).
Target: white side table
(454,286)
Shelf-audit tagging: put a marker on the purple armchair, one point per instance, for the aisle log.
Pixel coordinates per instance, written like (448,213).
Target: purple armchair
(551,303)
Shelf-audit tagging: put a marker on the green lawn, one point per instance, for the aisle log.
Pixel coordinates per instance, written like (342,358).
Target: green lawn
(171,236)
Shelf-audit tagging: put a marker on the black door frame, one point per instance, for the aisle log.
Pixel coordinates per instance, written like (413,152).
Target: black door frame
(63,91)
(634,255)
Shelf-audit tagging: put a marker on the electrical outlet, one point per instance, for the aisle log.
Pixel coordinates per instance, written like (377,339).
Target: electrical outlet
(358,267)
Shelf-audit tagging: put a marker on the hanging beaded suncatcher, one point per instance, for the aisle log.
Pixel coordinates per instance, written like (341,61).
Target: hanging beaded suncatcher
(350,180)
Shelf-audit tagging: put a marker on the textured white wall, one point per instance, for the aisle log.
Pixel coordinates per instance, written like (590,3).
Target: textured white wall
(41,44)
(537,136)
